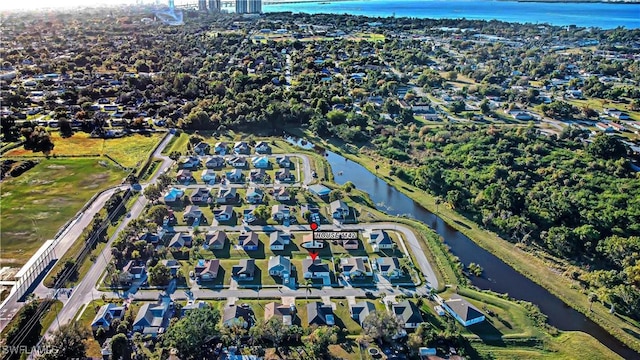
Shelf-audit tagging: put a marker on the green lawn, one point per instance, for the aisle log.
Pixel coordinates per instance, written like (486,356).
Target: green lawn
(128,150)
(36,204)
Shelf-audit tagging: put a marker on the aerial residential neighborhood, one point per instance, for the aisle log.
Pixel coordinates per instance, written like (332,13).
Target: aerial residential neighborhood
(207,181)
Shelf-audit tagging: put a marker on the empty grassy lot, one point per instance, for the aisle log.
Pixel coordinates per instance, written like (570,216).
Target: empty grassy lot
(128,150)
(37,203)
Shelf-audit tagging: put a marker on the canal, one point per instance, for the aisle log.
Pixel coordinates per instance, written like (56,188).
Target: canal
(497,275)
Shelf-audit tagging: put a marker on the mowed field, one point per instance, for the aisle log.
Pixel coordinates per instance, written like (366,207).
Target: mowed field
(128,150)
(37,203)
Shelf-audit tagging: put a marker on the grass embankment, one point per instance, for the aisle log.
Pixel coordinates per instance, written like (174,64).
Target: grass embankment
(128,150)
(37,203)
(78,253)
(524,262)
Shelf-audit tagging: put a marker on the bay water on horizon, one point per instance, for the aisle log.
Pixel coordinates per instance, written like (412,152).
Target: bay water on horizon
(602,15)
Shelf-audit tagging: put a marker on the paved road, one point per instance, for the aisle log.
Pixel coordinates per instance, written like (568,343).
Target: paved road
(83,292)
(67,238)
(411,240)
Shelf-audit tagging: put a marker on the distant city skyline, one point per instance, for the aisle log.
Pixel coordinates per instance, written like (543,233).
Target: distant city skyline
(229,5)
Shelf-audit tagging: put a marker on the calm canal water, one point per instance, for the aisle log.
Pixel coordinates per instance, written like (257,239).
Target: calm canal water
(497,275)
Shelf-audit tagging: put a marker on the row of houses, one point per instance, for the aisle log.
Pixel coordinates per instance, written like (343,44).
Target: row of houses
(235,176)
(239,147)
(153,318)
(215,162)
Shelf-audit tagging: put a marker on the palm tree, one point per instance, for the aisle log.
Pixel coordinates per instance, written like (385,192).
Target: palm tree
(592,297)
(307,285)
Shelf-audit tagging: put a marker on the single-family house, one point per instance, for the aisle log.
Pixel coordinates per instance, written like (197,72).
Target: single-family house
(214,162)
(262,147)
(227,196)
(254,195)
(618,127)
(245,270)
(281,194)
(249,241)
(261,162)
(191,214)
(284,176)
(223,213)
(249,215)
(215,240)
(380,239)
(408,314)
(208,176)
(616,114)
(280,266)
(521,115)
(172,265)
(284,162)
(184,175)
(173,195)
(152,319)
(237,162)
(202,148)
(241,147)
(133,270)
(258,175)
(234,176)
(238,315)
(208,269)
(200,195)
(351,244)
(356,266)
(389,267)
(278,240)
(220,148)
(463,311)
(190,162)
(605,127)
(106,315)
(280,212)
(314,269)
(319,190)
(320,314)
(360,311)
(149,237)
(286,313)
(339,209)
(180,240)
(192,306)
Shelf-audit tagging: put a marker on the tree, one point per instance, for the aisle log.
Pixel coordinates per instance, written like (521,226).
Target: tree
(65,128)
(452,75)
(592,297)
(382,326)
(336,117)
(261,212)
(159,275)
(67,343)
(320,339)
(484,107)
(152,192)
(335,195)
(19,332)
(157,213)
(189,334)
(606,147)
(120,347)
(457,106)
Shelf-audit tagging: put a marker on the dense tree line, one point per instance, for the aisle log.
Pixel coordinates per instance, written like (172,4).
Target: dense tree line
(577,201)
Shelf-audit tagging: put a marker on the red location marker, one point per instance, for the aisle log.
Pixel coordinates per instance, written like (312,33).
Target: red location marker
(314,255)
(313,226)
